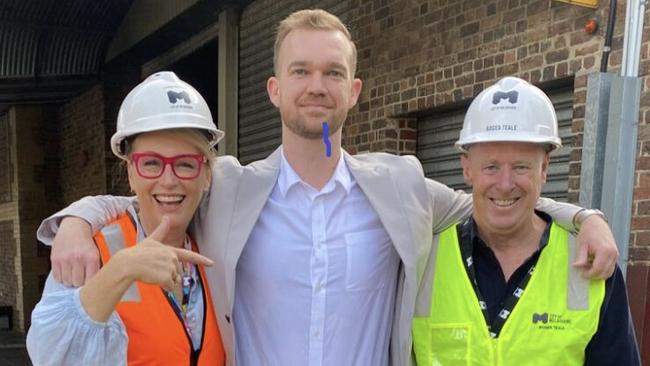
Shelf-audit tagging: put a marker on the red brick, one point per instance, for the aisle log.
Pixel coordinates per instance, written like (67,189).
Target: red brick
(532,62)
(641,193)
(640,223)
(639,253)
(407,135)
(637,286)
(642,238)
(643,208)
(643,163)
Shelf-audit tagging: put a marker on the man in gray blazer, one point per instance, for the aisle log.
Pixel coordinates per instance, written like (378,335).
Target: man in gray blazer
(318,254)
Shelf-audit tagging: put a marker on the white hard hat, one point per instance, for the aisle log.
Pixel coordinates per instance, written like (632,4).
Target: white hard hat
(161,102)
(512,110)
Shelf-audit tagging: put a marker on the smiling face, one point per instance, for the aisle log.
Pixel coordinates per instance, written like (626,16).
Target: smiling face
(167,195)
(506,179)
(314,82)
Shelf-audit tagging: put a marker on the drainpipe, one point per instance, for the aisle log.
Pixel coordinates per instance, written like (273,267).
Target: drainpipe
(622,132)
(608,36)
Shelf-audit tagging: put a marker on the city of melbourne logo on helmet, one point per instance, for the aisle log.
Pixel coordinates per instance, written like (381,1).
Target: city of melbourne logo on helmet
(510,96)
(502,100)
(175,96)
(179,99)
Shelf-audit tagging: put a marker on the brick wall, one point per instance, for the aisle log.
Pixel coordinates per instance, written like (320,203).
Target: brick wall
(37,169)
(9,281)
(118,80)
(421,56)
(6,171)
(32,175)
(82,146)
(8,277)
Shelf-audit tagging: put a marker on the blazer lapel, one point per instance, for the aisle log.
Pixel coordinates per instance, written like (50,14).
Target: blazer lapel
(255,186)
(378,184)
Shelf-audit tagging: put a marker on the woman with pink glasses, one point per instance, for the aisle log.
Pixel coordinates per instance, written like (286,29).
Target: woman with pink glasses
(150,303)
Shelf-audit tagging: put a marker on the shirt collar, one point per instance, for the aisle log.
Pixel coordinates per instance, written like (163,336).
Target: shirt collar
(469,232)
(288,176)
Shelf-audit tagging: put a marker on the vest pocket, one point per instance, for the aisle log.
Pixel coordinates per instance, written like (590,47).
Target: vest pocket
(449,344)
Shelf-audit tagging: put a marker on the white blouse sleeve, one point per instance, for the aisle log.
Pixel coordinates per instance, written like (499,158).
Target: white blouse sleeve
(62,333)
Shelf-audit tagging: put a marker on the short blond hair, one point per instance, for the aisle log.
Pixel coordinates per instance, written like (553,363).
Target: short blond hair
(312,19)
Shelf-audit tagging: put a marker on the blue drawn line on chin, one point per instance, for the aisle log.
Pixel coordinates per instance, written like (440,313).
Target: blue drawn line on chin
(326,140)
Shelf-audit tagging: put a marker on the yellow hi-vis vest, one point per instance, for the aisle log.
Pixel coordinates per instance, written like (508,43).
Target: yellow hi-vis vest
(540,330)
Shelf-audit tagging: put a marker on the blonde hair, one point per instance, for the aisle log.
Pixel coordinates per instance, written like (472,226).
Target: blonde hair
(312,19)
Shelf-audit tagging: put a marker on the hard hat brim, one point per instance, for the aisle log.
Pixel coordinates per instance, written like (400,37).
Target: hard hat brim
(154,124)
(477,138)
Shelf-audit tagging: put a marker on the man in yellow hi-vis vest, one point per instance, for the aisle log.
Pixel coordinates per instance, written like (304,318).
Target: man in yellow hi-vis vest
(499,288)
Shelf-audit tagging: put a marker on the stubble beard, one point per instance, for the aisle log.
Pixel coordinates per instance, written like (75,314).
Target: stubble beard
(301,128)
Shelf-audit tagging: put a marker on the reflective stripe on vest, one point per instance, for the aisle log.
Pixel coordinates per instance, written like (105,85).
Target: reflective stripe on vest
(156,334)
(114,240)
(541,330)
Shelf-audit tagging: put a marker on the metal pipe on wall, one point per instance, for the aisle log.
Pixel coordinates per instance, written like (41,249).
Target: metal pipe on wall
(611,124)
(607,48)
(635,11)
(622,141)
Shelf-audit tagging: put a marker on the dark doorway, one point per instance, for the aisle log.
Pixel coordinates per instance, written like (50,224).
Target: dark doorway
(199,69)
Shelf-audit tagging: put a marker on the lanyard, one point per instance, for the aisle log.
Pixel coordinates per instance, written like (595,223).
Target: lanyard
(188,282)
(465,231)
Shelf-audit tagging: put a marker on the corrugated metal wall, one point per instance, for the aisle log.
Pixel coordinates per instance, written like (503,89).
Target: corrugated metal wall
(438,133)
(17,51)
(259,120)
(45,38)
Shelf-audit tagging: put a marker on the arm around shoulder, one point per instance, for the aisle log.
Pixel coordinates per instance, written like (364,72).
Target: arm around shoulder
(597,252)
(74,255)
(97,211)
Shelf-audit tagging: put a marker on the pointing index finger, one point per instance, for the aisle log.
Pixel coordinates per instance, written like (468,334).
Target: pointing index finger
(185,255)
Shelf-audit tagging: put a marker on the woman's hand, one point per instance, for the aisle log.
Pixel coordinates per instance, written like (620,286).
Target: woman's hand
(152,262)
(149,261)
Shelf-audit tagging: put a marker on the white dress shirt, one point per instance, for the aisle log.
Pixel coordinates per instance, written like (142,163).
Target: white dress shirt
(316,281)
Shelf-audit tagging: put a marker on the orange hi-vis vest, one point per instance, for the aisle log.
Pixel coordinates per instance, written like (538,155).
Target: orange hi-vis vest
(157,335)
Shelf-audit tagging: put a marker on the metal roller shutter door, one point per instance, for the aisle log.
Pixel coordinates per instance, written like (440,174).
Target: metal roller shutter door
(438,133)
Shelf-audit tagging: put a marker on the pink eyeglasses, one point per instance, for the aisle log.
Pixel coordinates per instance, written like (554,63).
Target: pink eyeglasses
(151,165)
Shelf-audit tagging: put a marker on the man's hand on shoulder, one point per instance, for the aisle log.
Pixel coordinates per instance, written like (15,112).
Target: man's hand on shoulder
(75,257)
(597,251)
